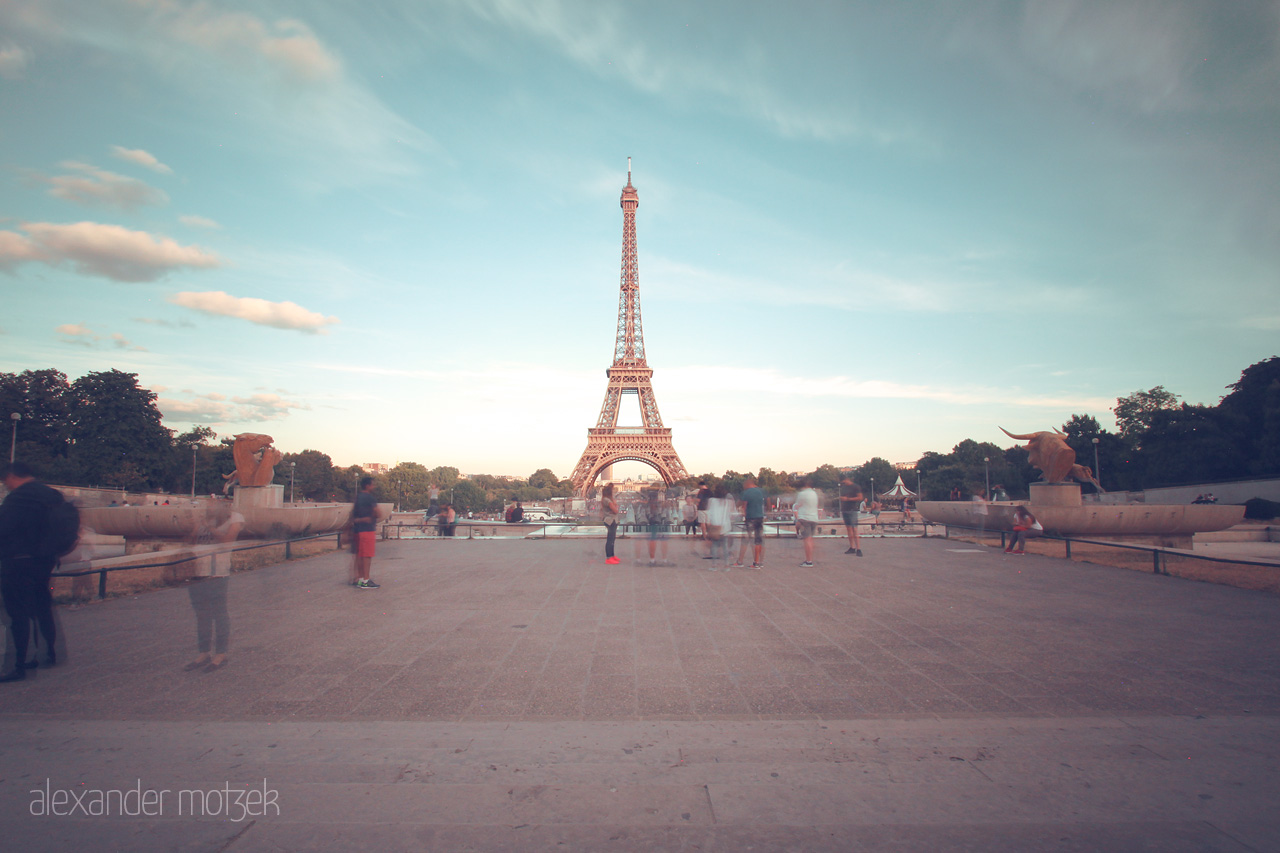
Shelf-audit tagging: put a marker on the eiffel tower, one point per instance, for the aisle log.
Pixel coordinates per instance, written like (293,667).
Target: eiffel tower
(607,442)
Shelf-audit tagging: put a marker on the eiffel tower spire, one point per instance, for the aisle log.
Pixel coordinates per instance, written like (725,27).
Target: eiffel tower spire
(608,443)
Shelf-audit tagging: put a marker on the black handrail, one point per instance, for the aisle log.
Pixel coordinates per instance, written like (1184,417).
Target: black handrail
(1157,552)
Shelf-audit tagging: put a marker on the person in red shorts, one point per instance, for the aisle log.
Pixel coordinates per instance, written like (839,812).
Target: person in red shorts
(365,517)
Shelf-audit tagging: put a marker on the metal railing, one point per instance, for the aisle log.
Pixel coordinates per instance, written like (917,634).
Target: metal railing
(102,571)
(1160,555)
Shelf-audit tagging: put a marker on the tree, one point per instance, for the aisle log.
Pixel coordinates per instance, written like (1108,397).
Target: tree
(1134,412)
(469,497)
(881,470)
(312,475)
(826,477)
(444,476)
(1254,404)
(117,431)
(408,484)
(43,400)
(543,478)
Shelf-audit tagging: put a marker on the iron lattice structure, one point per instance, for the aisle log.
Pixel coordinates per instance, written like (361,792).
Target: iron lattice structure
(607,442)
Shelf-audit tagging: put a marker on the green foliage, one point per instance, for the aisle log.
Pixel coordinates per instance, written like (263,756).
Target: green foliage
(313,475)
(119,437)
(1134,412)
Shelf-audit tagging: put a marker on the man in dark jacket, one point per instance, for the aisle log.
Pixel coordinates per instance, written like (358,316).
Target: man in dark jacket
(25,565)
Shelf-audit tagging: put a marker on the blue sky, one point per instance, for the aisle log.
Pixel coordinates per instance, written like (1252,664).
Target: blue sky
(393,233)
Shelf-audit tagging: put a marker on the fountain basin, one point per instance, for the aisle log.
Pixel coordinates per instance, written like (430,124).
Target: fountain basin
(1090,520)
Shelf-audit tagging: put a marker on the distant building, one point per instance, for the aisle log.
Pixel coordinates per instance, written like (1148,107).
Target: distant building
(375,467)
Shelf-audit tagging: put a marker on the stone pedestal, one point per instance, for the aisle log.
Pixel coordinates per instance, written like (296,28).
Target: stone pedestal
(249,498)
(1055,494)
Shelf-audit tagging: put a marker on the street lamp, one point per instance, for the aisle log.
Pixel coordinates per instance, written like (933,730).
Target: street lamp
(986,473)
(1097,469)
(919,490)
(13,442)
(194,449)
(873,489)
(293,466)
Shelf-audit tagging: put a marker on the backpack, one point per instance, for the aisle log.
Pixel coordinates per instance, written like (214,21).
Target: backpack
(62,528)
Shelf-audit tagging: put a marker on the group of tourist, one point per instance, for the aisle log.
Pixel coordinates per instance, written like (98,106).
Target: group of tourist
(708,514)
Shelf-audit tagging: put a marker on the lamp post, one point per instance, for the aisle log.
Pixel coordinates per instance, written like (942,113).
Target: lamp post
(873,489)
(1097,469)
(293,466)
(13,442)
(194,449)
(986,473)
(919,489)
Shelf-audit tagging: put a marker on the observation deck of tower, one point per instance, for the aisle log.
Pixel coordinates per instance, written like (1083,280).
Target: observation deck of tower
(630,373)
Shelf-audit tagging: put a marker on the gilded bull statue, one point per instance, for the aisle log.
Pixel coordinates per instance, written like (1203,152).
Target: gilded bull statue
(255,461)
(1050,452)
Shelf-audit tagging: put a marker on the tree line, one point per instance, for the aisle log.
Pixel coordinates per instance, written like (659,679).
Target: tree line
(103,429)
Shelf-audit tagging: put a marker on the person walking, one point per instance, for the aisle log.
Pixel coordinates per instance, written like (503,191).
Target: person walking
(752,523)
(850,504)
(28,555)
(365,516)
(609,508)
(806,510)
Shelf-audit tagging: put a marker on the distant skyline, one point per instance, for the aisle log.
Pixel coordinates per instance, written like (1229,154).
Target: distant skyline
(390,232)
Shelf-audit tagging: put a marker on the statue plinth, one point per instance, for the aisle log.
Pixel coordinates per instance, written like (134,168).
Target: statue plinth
(258,497)
(1055,494)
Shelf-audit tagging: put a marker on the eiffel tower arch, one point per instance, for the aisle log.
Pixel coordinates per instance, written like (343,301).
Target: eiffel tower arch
(630,373)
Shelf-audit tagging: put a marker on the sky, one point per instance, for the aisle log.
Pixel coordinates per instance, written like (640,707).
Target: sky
(391,231)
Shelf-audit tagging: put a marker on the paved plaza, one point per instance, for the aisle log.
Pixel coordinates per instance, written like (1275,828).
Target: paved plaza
(522,695)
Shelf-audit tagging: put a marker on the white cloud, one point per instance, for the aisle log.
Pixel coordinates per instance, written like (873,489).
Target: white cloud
(13,61)
(214,408)
(94,248)
(198,221)
(141,158)
(94,186)
(279,315)
(81,335)
(275,74)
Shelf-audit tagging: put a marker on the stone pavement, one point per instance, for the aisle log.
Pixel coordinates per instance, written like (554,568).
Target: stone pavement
(522,695)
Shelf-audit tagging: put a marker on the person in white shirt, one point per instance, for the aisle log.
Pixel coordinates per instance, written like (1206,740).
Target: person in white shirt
(806,510)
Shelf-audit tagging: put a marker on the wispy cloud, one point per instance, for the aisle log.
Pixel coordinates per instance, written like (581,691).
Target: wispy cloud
(612,39)
(279,315)
(142,158)
(199,222)
(218,409)
(13,61)
(279,74)
(82,335)
(100,188)
(94,248)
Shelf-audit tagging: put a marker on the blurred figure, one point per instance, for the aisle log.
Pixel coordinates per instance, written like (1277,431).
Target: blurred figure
(806,510)
(448,519)
(752,524)
(656,518)
(719,524)
(704,503)
(689,511)
(850,504)
(365,516)
(1023,521)
(218,523)
(906,510)
(609,515)
(28,555)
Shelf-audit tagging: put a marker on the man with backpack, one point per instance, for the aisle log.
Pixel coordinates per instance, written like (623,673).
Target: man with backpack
(37,527)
